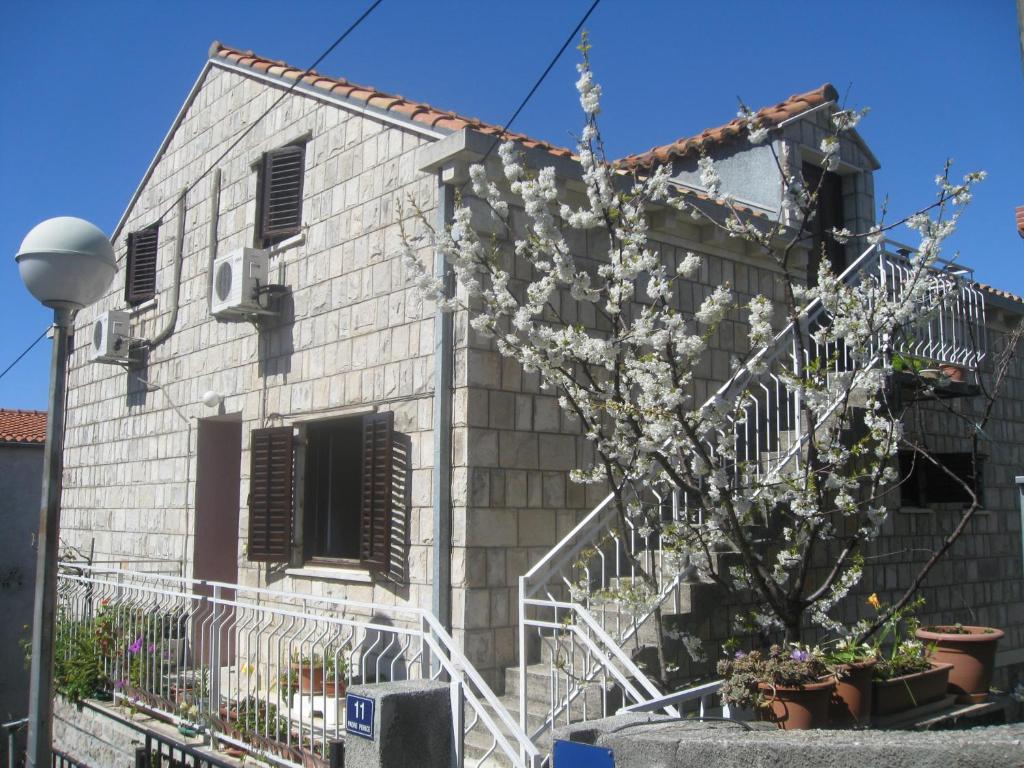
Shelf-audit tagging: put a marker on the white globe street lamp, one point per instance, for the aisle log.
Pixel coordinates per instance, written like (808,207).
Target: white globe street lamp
(67,264)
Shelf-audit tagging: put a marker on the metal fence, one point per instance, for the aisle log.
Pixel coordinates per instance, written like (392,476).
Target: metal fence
(260,669)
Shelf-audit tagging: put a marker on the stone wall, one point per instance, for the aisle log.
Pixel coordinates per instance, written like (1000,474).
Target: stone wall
(87,735)
(639,741)
(351,337)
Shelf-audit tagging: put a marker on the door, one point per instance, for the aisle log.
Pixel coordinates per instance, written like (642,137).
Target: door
(215,557)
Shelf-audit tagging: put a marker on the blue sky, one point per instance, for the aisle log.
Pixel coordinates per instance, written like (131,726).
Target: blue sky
(92,87)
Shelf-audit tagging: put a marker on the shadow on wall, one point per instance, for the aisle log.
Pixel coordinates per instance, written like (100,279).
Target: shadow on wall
(277,337)
(137,388)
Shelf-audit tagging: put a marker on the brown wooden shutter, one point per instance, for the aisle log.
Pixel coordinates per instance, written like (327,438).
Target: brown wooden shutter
(270,495)
(281,193)
(140,277)
(375,521)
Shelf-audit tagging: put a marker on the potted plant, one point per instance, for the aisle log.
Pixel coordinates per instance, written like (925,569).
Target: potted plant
(854,665)
(955,373)
(972,653)
(905,676)
(789,687)
(317,675)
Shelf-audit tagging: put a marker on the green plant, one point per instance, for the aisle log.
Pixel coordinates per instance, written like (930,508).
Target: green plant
(905,654)
(79,661)
(846,650)
(751,677)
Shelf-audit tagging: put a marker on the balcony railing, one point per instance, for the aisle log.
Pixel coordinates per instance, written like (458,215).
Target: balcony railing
(265,670)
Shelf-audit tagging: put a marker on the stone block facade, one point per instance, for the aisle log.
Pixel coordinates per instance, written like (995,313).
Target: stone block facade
(351,337)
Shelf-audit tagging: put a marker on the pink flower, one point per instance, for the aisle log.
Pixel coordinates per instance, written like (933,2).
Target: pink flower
(136,646)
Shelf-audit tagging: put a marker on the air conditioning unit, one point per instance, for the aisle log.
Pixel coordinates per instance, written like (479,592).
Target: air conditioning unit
(239,279)
(111,339)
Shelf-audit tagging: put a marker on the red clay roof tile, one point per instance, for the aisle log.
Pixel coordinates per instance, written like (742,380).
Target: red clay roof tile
(767,116)
(415,111)
(22,426)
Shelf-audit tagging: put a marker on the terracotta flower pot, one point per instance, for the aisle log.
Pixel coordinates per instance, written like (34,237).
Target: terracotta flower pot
(311,680)
(971,652)
(851,702)
(908,691)
(798,707)
(953,372)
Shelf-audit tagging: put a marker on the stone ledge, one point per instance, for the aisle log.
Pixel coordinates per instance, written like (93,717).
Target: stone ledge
(641,741)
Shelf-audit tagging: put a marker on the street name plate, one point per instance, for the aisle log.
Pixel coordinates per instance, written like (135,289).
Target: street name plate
(573,754)
(359,716)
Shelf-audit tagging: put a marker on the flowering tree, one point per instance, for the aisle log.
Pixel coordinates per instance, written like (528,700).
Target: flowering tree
(605,331)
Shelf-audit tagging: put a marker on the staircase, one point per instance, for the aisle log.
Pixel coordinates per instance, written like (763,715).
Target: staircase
(584,656)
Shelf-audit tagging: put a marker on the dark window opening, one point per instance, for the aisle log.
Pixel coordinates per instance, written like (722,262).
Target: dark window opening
(333,495)
(829,216)
(279,194)
(140,275)
(924,483)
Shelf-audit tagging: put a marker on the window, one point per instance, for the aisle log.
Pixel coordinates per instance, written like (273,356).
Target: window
(829,216)
(279,194)
(140,276)
(927,484)
(346,496)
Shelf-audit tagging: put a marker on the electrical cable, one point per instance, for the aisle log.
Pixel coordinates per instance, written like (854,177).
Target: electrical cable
(536,85)
(352,27)
(29,349)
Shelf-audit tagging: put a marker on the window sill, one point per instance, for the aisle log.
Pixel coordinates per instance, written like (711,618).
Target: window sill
(329,573)
(145,306)
(945,508)
(284,245)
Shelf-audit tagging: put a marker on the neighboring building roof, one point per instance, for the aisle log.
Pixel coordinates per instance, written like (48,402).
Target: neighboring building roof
(411,110)
(767,116)
(992,290)
(22,426)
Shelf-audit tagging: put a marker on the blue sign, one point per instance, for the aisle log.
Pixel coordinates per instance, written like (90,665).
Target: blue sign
(574,754)
(359,716)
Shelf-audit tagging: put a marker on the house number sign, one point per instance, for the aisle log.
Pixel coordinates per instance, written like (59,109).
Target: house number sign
(359,715)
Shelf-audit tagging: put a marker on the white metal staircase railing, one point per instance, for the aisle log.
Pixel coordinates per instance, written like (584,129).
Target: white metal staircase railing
(560,597)
(266,670)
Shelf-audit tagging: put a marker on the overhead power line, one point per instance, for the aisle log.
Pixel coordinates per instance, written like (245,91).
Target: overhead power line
(543,76)
(351,28)
(27,350)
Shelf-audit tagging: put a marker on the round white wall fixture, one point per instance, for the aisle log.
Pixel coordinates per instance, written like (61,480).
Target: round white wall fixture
(211,399)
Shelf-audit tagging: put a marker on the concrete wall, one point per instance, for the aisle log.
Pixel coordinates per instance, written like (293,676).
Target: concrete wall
(641,741)
(21,477)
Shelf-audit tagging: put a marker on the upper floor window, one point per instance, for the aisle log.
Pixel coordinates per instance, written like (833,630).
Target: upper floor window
(279,194)
(140,275)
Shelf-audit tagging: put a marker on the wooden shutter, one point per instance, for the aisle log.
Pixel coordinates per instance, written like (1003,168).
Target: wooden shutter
(270,495)
(281,193)
(375,519)
(140,277)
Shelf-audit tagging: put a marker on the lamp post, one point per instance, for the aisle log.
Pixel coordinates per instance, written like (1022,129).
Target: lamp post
(66,263)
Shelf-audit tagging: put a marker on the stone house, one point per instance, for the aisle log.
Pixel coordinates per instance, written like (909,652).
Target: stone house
(321,431)
(22,439)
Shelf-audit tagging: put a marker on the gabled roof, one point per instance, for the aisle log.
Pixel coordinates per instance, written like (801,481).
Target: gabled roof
(22,426)
(414,111)
(767,116)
